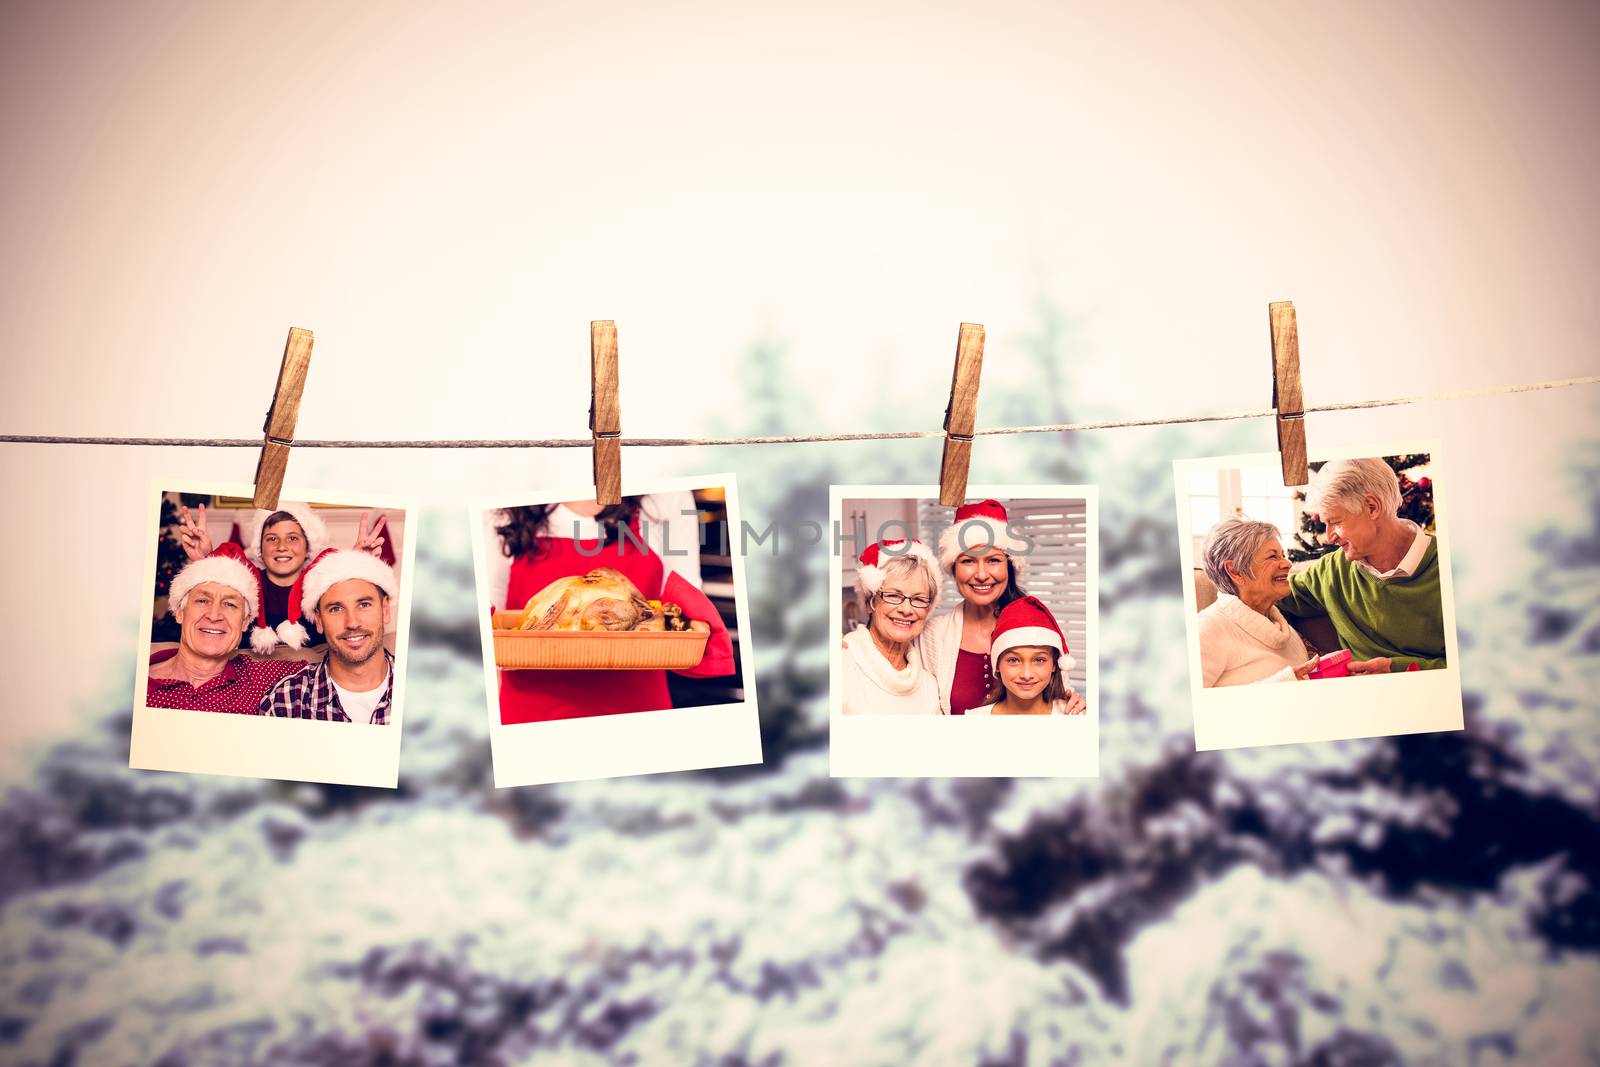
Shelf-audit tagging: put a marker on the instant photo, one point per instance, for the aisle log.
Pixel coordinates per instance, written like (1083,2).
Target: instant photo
(963,640)
(273,642)
(1319,612)
(615,638)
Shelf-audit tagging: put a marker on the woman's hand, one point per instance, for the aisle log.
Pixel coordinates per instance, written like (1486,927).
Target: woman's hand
(1303,671)
(1076,705)
(370,540)
(192,534)
(1380,665)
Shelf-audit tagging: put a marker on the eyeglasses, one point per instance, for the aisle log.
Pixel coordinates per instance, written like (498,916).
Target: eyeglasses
(894,600)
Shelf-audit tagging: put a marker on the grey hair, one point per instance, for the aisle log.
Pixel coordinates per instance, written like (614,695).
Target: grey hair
(175,607)
(896,566)
(1348,482)
(1234,541)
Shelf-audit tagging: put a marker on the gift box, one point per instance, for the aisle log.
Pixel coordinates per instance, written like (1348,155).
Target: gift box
(1333,665)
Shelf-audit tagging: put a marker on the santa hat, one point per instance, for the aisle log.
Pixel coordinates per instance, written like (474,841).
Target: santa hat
(316,533)
(226,566)
(291,631)
(1028,622)
(337,565)
(975,526)
(869,572)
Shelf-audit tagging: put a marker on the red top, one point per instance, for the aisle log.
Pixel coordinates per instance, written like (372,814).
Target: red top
(540,695)
(239,688)
(974,680)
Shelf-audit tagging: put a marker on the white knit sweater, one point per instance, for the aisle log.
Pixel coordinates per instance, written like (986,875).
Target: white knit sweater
(873,687)
(1239,645)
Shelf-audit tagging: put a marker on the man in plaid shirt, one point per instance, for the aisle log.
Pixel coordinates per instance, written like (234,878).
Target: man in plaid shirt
(349,595)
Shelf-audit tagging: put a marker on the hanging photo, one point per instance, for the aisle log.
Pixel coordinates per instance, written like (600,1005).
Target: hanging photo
(1321,612)
(614,637)
(964,638)
(273,643)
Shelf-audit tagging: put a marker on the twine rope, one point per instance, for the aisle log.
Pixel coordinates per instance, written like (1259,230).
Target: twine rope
(784,439)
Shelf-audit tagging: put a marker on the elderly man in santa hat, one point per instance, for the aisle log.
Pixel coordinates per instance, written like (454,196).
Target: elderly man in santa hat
(349,596)
(213,599)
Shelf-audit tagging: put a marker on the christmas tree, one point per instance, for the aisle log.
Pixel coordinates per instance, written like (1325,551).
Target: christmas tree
(170,559)
(1416,504)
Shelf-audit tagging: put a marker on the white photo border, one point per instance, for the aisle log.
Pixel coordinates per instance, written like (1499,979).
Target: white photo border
(943,746)
(614,746)
(255,746)
(1334,709)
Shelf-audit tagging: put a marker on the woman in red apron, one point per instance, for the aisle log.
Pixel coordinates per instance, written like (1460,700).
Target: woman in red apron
(542,548)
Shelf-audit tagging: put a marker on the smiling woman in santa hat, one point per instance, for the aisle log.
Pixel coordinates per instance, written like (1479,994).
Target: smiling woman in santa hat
(1030,660)
(986,558)
(897,584)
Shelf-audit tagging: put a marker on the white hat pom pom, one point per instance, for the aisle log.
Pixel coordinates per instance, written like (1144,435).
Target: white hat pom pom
(293,634)
(870,579)
(263,640)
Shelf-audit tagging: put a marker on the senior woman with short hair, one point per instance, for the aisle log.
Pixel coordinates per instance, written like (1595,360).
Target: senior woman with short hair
(1243,636)
(897,584)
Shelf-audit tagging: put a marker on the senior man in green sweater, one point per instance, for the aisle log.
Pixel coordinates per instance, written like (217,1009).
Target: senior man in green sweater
(1381,590)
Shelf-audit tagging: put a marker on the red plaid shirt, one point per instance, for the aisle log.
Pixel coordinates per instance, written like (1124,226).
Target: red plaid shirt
(311,695)
(238,689)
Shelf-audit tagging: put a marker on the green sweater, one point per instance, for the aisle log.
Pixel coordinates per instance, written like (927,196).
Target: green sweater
(1402,618)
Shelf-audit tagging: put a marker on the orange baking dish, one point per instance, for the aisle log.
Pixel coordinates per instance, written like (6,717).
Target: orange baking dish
(592,650)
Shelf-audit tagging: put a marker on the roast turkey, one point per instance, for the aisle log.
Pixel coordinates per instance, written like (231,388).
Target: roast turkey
(603,599)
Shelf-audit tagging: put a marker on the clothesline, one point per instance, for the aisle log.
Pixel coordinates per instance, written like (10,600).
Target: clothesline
(784,439)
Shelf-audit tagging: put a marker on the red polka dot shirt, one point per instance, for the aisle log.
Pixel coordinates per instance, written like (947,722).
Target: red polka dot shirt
(238,689)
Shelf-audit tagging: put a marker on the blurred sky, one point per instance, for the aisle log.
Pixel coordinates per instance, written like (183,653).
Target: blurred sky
(448,194)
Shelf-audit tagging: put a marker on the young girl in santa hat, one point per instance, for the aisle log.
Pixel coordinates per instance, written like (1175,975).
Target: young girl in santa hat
(986,559)
(1030,661)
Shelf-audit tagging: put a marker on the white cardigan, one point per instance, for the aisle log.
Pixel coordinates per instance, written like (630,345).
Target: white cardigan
(1239,645)
(939,646)
(873,687)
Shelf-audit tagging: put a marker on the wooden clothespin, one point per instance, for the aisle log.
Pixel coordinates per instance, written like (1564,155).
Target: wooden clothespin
(605,416)
(1287,396)
(281,418)
(960,416)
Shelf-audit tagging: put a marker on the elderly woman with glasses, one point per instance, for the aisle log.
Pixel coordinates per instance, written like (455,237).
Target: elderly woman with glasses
(897,583)
(1243,636)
